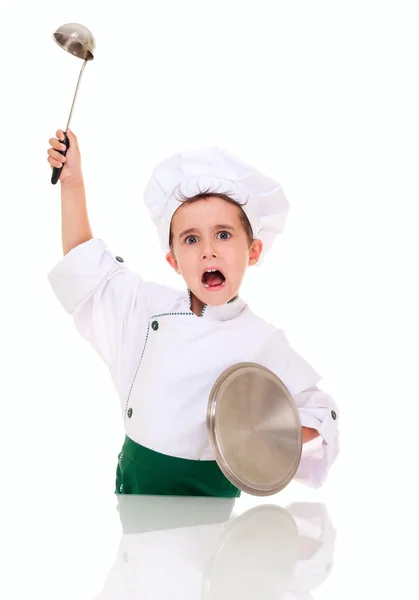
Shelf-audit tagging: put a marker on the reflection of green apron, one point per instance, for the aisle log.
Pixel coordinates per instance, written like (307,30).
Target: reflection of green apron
(140,513)
(143,471)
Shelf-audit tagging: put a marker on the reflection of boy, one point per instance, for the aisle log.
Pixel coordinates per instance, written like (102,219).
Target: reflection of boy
(189,548)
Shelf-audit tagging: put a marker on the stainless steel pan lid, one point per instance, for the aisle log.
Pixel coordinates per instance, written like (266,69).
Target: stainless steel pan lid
(255,429)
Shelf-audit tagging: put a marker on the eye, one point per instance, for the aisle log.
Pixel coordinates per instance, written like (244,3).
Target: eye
(224,233)
(191,237)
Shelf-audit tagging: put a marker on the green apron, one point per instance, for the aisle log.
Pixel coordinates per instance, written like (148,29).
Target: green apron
(143,471)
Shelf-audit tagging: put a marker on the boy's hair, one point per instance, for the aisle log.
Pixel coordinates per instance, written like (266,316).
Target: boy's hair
(208,194)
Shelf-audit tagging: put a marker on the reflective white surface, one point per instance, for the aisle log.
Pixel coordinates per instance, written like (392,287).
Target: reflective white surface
(180,548)
(189,548)
(91,547)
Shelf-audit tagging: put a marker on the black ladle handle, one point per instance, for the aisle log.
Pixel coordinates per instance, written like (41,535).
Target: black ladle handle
(57,170)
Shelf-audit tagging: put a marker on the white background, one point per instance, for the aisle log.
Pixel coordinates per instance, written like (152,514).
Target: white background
(322,96)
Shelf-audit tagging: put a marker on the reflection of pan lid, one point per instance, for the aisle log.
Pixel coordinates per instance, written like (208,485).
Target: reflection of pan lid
(255,429)
(256,557)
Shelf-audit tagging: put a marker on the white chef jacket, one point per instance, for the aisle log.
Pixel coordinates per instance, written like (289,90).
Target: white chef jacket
(164,359)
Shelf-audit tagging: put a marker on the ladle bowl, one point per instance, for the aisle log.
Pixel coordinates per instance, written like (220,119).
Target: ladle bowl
(77,40)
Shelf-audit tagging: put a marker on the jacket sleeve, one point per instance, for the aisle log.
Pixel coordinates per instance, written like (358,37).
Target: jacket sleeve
(108,302)
(316,408)
(318,411)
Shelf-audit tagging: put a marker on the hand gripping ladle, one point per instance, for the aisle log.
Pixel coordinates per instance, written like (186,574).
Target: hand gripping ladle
(79,41)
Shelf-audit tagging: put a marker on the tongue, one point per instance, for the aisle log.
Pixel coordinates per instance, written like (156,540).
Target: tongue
(213,279)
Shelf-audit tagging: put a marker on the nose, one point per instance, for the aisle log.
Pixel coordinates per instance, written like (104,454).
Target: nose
(208,250)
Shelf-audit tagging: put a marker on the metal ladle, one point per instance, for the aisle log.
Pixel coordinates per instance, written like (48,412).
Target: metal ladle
(79,41)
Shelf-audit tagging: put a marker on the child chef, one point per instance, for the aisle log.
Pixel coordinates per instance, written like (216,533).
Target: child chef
(215,217)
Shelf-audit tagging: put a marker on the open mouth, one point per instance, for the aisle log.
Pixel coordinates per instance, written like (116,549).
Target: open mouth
(213,279)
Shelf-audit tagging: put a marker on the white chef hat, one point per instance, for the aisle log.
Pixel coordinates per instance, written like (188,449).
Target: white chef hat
(191,173)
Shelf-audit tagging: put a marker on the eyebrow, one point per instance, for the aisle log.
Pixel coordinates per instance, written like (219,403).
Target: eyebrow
(193,229)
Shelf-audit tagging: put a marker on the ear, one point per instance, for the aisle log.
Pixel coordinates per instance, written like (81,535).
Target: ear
(171,259)
(255,251)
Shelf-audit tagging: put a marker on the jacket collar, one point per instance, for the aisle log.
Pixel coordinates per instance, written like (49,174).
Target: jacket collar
(224,312)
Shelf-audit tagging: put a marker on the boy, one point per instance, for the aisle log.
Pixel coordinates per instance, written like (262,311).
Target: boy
(215,217)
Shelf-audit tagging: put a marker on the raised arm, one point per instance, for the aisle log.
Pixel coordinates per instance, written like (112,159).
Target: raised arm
(75,225)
